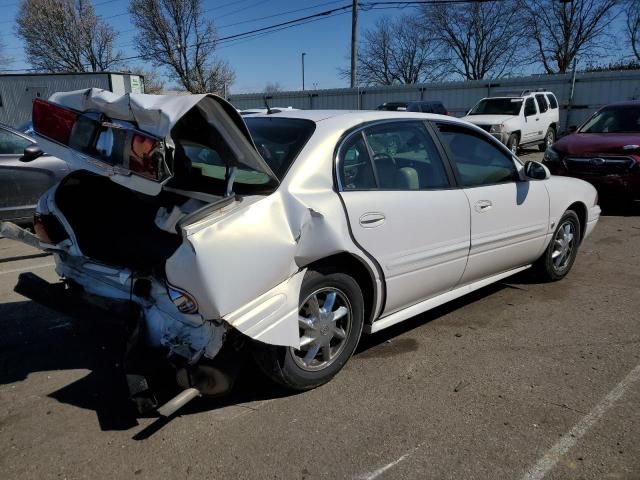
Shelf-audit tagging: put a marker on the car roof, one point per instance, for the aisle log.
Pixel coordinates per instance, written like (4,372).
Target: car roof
(356,116)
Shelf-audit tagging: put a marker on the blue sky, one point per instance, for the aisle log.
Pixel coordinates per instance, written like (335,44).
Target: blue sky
(270,58)
(274,57)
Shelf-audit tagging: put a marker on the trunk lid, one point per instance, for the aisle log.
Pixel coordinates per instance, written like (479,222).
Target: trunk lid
(143,141)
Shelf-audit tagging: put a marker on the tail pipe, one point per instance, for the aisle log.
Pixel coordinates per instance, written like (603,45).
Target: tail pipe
(177,402)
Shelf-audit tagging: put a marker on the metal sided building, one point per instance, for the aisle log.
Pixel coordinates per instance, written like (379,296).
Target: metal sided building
(18,91)
(579,95)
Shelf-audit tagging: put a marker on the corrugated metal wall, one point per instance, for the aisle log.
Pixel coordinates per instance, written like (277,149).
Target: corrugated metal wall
(18,91)
(592,90)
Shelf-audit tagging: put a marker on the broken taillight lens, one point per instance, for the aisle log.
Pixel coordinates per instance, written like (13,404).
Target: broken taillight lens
(182,300)
(48,229)
(52,121)
(116,143)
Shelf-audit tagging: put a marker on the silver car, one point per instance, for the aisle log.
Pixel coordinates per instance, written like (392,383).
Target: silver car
(288,235)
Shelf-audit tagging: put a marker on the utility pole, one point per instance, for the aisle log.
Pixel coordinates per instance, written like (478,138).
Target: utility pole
(303,54)
(354,43)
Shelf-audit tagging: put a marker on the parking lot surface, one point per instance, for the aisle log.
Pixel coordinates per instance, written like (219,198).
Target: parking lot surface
(519,380)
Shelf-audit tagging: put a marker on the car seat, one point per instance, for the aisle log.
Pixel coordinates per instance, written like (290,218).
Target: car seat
(407,178)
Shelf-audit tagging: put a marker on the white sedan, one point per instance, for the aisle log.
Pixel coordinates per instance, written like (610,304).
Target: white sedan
(291,234)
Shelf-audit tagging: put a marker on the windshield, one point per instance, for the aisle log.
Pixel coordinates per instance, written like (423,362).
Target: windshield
(614,120)
(498,106)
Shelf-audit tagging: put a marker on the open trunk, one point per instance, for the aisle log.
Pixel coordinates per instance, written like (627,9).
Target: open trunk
(115,225)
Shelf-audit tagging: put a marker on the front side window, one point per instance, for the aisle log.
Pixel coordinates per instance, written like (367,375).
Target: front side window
(530,108)
(12,144)
(478,161)
(405,157)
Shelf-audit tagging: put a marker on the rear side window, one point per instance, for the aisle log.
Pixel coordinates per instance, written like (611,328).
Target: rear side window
(543,106)
(552,100)
(477,160)
(356,172)
(405,157)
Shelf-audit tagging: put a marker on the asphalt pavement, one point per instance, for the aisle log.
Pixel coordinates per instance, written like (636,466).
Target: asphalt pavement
(519,380)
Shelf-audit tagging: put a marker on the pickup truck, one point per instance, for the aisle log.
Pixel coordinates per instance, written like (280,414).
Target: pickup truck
(531,118)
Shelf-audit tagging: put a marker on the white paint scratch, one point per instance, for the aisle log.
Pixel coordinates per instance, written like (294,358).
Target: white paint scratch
(568,440)
(381,470)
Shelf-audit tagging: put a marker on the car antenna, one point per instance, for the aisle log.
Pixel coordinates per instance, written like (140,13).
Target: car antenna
(266,104)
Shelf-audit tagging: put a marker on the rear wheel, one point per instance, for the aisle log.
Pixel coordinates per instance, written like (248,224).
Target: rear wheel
(559,256)
(512,143)
(549,139)
(330,322)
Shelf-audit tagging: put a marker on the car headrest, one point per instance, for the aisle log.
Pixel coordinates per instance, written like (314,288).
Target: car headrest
(407,179)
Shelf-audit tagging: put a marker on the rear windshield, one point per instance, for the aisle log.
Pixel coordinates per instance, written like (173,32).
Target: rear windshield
(614,120)
(279,140)
(497,106)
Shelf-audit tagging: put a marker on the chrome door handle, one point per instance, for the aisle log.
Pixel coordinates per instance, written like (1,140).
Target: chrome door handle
(372,219)
(483,205)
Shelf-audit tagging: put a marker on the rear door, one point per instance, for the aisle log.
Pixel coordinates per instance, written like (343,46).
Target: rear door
(509,217)
(531,126)
(403,210)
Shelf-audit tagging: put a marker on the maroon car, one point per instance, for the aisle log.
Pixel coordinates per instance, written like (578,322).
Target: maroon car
(605,151)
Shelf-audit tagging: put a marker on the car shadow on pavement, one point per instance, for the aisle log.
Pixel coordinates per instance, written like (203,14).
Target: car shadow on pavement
(37,339)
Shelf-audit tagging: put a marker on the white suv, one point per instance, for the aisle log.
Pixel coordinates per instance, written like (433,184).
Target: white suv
(531,118)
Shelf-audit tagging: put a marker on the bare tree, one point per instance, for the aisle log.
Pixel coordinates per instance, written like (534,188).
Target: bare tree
(153,83)
(484,39)
(175,34)
(272,87)
(563,31)
(632,10)
(66,36)
(399,51)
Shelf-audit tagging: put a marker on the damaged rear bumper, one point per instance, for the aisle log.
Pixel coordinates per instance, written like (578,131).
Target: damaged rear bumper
(139,362)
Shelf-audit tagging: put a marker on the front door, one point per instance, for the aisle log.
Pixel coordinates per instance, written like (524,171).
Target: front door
(531,128)
(403,211)
(509,217)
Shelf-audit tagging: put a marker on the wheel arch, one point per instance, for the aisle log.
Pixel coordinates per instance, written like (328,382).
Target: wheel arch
(350,264)
(581,210)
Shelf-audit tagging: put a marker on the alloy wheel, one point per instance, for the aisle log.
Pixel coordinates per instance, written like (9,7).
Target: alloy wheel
(324,320)
(563,245)
(550,138)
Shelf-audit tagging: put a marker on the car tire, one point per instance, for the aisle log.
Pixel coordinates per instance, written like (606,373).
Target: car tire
(333,334)
(549,139)
(559,256)
(513,142)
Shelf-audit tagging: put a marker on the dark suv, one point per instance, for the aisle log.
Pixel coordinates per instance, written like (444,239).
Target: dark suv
(424,106)
(604,151)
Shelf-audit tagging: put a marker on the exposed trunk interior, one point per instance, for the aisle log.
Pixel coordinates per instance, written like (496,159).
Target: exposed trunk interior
(115,225)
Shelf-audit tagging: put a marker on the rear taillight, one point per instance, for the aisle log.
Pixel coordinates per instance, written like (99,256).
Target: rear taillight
(49,229)
(117,143)
(182,300)
(52,121)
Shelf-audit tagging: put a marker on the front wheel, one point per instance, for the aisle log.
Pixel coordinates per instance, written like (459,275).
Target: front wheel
(559,256)
(512,143)
(330,322)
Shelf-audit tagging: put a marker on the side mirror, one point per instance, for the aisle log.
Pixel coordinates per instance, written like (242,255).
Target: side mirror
(31,153)
(573,128)
(536,170)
